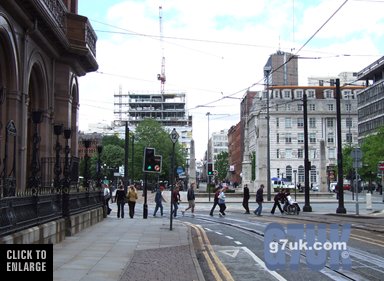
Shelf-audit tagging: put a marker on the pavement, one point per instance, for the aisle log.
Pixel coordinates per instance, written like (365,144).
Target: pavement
(156,249)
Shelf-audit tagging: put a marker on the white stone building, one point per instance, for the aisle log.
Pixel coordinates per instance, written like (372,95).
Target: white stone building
(286,132)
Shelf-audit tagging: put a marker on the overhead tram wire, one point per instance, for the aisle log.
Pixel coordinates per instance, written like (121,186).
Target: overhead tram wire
(294,56)
(259,82)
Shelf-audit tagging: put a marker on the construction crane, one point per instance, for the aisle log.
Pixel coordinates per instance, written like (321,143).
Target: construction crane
(161,76)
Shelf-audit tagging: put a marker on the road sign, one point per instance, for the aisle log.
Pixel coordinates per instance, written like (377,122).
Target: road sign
(381,166)
(180,170)
(174,136)
(356,154)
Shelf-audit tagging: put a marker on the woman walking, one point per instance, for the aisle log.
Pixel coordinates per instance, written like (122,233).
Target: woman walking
(120,201)
(132,197)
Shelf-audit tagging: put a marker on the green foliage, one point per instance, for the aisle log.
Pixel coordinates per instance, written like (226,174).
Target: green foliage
(221,165)
(150,133)
(373,152)
(113,140)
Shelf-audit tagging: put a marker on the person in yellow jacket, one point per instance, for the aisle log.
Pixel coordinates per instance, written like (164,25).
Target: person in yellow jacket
(132,197)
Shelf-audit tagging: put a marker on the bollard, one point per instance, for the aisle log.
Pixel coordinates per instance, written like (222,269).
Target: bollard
(369,201)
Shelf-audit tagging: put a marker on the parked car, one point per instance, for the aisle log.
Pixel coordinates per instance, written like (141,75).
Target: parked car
(333,186)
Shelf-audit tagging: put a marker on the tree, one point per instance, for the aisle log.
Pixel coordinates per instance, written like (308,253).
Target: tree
(373,152)
(221,165)
(150,133)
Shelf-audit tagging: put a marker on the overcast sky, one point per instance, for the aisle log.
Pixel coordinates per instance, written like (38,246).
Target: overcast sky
(215,49)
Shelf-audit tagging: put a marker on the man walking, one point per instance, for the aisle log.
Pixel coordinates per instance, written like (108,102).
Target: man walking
(246,199)
(191,199)
(278,198)
(215,200)
(159,199)
(259,200)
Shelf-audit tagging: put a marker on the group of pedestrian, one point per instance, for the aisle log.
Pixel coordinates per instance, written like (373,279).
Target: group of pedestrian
(219,200)
(121,197)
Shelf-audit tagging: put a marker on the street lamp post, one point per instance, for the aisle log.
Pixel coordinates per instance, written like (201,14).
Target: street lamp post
(87,144)
(57,129)
(34,180)
(208,177)
(294,173)
(267,71)
(99,151)
(174,137)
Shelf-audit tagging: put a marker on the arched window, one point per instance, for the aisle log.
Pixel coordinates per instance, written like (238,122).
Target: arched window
(300,174)
(288,173)
(313,173)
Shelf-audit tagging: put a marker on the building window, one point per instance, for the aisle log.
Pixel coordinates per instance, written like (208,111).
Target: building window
(277,138)
(299,107)
(347,94)
(288,153)
(278,153)
(312,137)
(330,138)
(277,122)
(300,122)
(312,107)
(300,174)
(348,107)
(300,153)
(312,122)
(276,93)
(288,138)
(300,137)
(328,94)
(312,153)
(311,94)
(288,122)
(348,122)
(331,153)
(287,107)
(298,94)
(330,122)
(313,174)
(287,94)
(330,107)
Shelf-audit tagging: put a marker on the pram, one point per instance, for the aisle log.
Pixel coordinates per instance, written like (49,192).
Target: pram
(291,207)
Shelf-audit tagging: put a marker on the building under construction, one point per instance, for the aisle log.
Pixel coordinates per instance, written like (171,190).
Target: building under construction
(169,109)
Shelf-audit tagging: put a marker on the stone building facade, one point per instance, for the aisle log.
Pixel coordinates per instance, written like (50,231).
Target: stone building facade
(44,47)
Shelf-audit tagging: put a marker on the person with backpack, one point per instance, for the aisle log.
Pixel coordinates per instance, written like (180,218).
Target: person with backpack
(215,200)
(159,199)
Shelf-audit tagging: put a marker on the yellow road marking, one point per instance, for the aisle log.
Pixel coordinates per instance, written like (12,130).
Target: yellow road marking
(216,265)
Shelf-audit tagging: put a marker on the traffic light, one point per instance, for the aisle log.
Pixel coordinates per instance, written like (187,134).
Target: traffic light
(152,163)
(158,163)
(149,160)
(210,169)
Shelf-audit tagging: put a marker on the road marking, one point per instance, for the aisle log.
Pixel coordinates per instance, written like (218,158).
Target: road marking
(208,229)
(238,243)
(214,265)
(231,253)
(229,237)
(218,233)
(262,264)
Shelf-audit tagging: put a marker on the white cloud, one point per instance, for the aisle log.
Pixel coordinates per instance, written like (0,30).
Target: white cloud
(205,70)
